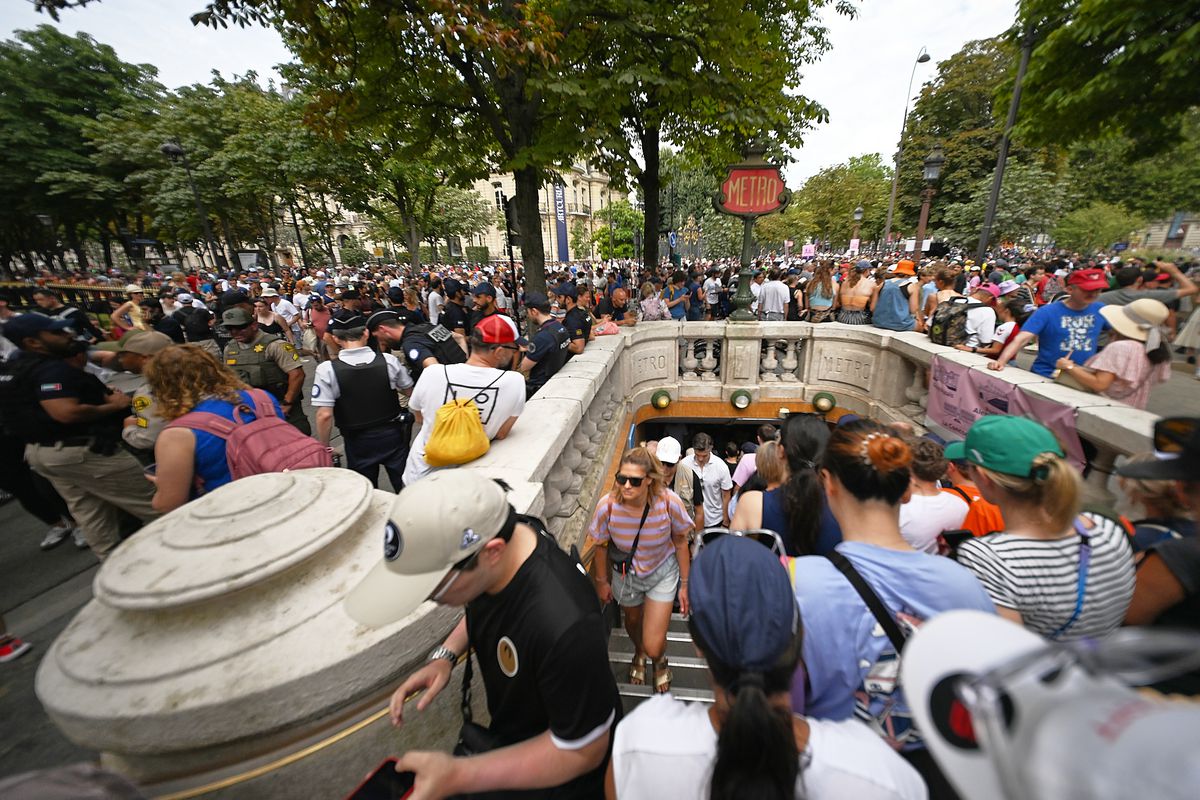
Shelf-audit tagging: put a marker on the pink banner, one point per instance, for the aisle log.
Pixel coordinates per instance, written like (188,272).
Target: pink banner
(959,395)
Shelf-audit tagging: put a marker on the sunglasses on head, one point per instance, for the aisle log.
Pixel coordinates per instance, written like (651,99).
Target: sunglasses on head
(630,479)
(763,536)
(1173,435)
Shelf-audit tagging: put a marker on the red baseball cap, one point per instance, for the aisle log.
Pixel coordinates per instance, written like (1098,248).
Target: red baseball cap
(499,329)
(1088,279)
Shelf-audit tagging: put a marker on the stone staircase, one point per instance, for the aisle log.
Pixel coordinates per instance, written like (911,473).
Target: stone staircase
(689,672)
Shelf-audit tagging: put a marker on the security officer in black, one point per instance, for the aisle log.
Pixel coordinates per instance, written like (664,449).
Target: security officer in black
(578,320)
(265,361)
(71,425)
(455,317)
(548,349)
(358,391)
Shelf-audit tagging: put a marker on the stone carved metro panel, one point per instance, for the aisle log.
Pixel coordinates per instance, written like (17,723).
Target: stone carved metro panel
(840,363)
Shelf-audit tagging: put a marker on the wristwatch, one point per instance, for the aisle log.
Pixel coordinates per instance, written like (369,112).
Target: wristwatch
(443,652)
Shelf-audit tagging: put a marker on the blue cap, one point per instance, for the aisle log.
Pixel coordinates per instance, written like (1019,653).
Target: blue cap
(743,605)
(567,289)
(484,288)
(30,325)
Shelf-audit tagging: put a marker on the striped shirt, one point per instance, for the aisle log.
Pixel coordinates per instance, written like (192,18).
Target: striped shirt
(1039,578)
(619,523)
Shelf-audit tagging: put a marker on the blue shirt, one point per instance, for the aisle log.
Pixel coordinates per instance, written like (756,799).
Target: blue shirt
(841,640)
(211,466)
(677,311)
(1061,330)
(774,518)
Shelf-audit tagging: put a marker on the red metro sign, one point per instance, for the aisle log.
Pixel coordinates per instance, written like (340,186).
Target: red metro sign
(752,190)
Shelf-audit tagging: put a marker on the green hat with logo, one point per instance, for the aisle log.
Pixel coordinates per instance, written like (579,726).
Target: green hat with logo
(1008,445)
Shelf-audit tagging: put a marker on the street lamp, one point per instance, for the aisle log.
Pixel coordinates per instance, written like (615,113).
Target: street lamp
(858,218)
(922,58)
(933,171)
(175,152)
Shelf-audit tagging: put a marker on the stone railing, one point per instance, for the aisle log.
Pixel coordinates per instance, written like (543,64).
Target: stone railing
(287,698)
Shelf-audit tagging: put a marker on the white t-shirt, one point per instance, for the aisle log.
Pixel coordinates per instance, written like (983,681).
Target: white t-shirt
(712,291)
(981,326)
(714,477)
(756,290)
(666,748)
(436,304)
(285,309)
(503,399)
(774,297)
(923,517)
(1003,331)
(325,390)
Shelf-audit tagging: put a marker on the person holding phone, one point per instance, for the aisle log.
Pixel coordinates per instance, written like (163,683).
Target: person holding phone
(534,623)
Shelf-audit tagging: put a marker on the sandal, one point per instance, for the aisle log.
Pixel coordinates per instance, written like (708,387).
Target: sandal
(662,677)
(637,671)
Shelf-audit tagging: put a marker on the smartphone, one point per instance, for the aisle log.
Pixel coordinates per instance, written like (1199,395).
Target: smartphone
(385,784)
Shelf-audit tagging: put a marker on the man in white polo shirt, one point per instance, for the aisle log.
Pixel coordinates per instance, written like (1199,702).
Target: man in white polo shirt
(715,483)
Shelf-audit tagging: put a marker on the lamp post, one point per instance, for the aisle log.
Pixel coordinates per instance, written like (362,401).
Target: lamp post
(691,235)
(933,171)
(858,218)
(175,152)
(922,58)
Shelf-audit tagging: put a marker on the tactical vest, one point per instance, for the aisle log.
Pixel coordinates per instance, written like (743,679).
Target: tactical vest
(366,398)
(254,366)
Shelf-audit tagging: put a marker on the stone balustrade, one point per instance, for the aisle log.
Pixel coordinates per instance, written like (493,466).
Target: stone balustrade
(217,654)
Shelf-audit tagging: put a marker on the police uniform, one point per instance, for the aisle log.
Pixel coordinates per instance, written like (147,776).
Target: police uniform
(84,461)
(548,350)
(264,363)
(360,386)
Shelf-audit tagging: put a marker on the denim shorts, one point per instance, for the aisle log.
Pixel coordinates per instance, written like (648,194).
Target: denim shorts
(630,589)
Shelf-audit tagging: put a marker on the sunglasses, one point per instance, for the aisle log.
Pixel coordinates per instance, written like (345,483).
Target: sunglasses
(458,569)
(630,479)
(1173,435)
(763,536)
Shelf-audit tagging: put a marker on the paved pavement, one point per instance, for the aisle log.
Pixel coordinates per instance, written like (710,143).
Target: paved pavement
(40,593)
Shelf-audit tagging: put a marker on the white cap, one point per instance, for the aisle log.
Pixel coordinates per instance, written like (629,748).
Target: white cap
(668,450)
(433,524)
(133,287)
(1067,731)
(184,297)
(269,292)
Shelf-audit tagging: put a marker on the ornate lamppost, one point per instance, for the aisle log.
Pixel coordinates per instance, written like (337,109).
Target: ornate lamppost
(691,236)
(933,171)
(753,188)
(922,58)
(858,218)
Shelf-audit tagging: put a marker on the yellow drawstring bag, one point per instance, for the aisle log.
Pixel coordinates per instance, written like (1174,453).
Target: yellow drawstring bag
(458,435)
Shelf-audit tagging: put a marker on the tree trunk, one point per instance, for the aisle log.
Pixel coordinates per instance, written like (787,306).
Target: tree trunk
(106,247)
(412,240)
(76,246)
(529,220)
(433,249)
(229,243)
(650,181)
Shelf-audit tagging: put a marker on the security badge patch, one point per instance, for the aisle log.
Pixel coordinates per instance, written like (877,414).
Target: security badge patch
(258,348)
(506,655)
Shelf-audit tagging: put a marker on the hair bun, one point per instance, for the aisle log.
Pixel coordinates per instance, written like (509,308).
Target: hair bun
(888,453)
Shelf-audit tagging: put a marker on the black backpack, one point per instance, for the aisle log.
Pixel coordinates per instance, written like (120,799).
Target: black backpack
(948,326)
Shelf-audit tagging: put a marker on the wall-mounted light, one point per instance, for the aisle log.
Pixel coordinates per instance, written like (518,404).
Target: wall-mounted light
(660,399)
(740,399)
(824,402)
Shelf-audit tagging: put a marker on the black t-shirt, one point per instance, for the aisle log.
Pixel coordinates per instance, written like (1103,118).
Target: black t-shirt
(578,323)
(476,316)
(605,307)
(454,317)
(42,378)
(543,655)
(548,349)
(171,327)
(1182,558)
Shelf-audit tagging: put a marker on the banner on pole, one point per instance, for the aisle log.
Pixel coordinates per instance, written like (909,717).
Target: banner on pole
(808,251)
(560,220)
(959,395)
(854,245)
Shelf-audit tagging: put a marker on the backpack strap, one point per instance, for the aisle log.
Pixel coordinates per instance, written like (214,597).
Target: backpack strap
(958,491)
(874,604)
(1085,560)
(205,421)
(263,407)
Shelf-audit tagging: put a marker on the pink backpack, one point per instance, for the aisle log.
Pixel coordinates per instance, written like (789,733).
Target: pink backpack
(266,443)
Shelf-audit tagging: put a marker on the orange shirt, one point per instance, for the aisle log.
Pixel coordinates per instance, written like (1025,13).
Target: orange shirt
(983,517)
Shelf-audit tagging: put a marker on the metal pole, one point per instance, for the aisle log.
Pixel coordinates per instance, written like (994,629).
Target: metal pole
(208,237)
(887,228)
(989,216)
(744,297)
(926,199)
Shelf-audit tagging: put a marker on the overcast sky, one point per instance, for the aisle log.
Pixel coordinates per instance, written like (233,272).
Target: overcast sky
(861,81)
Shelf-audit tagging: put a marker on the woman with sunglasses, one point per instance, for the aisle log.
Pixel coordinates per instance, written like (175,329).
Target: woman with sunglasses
(748,743)
(642,517)
(1061,573)
(865,598)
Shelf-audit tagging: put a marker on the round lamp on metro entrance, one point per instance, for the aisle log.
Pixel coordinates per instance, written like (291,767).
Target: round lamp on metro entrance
(824,402)
(740,399)
(660,399)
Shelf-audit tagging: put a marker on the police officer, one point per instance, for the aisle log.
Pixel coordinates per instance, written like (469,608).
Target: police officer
(358,391)
(422,344)
(578,320)
(144,425)
(548,350)
(265,361)
(71,425)
(455,317)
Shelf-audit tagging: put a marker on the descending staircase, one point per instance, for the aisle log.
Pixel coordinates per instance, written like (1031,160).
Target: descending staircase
(689,672)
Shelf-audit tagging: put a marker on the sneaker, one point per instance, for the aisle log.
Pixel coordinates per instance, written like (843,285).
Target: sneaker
(11,647)
(80,542)
(57,534)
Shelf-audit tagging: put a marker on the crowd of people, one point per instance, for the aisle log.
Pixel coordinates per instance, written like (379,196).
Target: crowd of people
(804,559)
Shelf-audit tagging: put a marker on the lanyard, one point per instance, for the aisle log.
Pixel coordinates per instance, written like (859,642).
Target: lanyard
(1085,560)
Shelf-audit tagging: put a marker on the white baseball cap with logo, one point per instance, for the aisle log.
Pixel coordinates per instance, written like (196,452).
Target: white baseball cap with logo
(442,520)
(669,451)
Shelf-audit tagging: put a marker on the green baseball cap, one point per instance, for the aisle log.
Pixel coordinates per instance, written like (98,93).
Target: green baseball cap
(1007,445)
